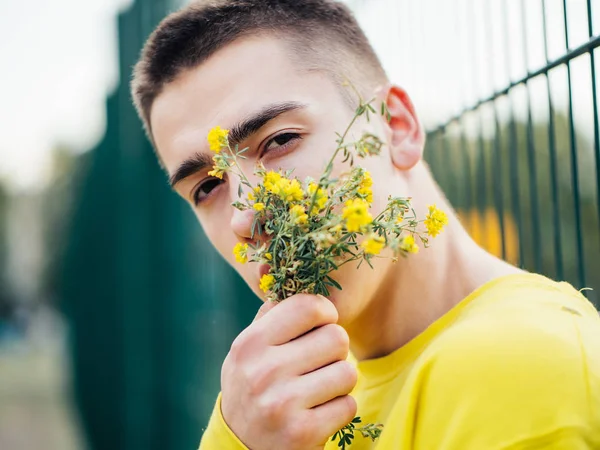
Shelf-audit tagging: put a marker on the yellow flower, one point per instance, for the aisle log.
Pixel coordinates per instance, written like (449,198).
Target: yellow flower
(217,139)
(298,214)
(408,244)
(435,221)
(356,213)
(374,244)
(271,182)
(216,172)
(266,282)
(251,196)
(365,187)
(288,190)
(259,206)
(297,210)
(369,144)
(320,198)
(291,190)
(220,166)
(268,256)
(241,252)
(336,230)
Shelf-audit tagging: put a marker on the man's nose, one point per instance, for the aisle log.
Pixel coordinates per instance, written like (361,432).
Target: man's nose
(241,223)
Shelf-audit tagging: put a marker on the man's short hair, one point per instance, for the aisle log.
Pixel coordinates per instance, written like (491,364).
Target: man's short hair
(322,35)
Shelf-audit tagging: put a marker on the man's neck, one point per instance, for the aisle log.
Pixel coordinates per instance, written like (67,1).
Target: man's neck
(422,288)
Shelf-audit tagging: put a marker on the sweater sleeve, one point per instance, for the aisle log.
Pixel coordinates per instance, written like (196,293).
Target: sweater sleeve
(218,436)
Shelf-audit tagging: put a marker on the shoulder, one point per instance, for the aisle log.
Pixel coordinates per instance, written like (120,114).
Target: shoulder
(518,368)
(526,357)
(508,350)
(523,331)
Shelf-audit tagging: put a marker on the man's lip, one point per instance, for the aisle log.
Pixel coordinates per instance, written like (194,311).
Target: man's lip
(263,269)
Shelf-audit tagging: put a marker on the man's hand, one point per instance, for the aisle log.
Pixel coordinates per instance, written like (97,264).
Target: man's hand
(285,381)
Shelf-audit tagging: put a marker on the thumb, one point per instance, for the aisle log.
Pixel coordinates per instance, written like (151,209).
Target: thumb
(265,308)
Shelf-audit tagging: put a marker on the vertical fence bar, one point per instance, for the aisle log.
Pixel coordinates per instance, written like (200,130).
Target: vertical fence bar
(445,162)
(574,168)
(595,103)
(467,163)
(553,159)
(514,175)
(481,167)
(480,182)
(463,149)
(498,194)
(533,195)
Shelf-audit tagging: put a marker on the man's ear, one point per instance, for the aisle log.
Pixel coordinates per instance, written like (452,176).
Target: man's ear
(407,136)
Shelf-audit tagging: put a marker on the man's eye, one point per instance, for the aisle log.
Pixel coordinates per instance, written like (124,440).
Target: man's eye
(205,188)
(281,141)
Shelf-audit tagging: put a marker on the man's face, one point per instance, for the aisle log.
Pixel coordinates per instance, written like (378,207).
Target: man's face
(287,117)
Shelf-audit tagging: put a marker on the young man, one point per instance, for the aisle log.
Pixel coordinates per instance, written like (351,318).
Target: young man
(454,349)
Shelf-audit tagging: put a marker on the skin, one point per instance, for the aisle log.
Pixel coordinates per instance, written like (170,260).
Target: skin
(275,388)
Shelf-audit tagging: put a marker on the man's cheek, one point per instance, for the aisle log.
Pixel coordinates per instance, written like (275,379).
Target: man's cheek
(216,234)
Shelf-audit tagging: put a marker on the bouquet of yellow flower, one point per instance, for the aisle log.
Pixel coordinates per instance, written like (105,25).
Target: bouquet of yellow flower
(305,237)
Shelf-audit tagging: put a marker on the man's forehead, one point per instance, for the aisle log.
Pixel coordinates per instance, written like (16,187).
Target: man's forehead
(223,91)
(243,70)
(230,69)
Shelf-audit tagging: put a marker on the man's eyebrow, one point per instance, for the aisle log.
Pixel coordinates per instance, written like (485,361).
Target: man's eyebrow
(256,121)
(237,134)
(189,167)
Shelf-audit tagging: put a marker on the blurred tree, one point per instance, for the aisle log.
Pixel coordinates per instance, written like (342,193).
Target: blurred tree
(56,210)
(6,304)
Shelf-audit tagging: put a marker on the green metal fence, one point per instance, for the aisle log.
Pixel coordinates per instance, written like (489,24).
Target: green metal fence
(516,179)
(152,308)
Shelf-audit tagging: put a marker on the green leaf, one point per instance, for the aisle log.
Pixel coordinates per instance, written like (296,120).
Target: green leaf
(332,282)
(253,230)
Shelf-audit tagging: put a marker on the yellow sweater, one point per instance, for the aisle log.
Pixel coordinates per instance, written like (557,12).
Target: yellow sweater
(515,365)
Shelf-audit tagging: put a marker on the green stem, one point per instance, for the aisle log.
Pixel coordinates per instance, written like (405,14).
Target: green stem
(341,146)
(235,161)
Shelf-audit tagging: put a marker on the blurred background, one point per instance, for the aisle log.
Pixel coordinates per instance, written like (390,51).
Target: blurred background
(115,313)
